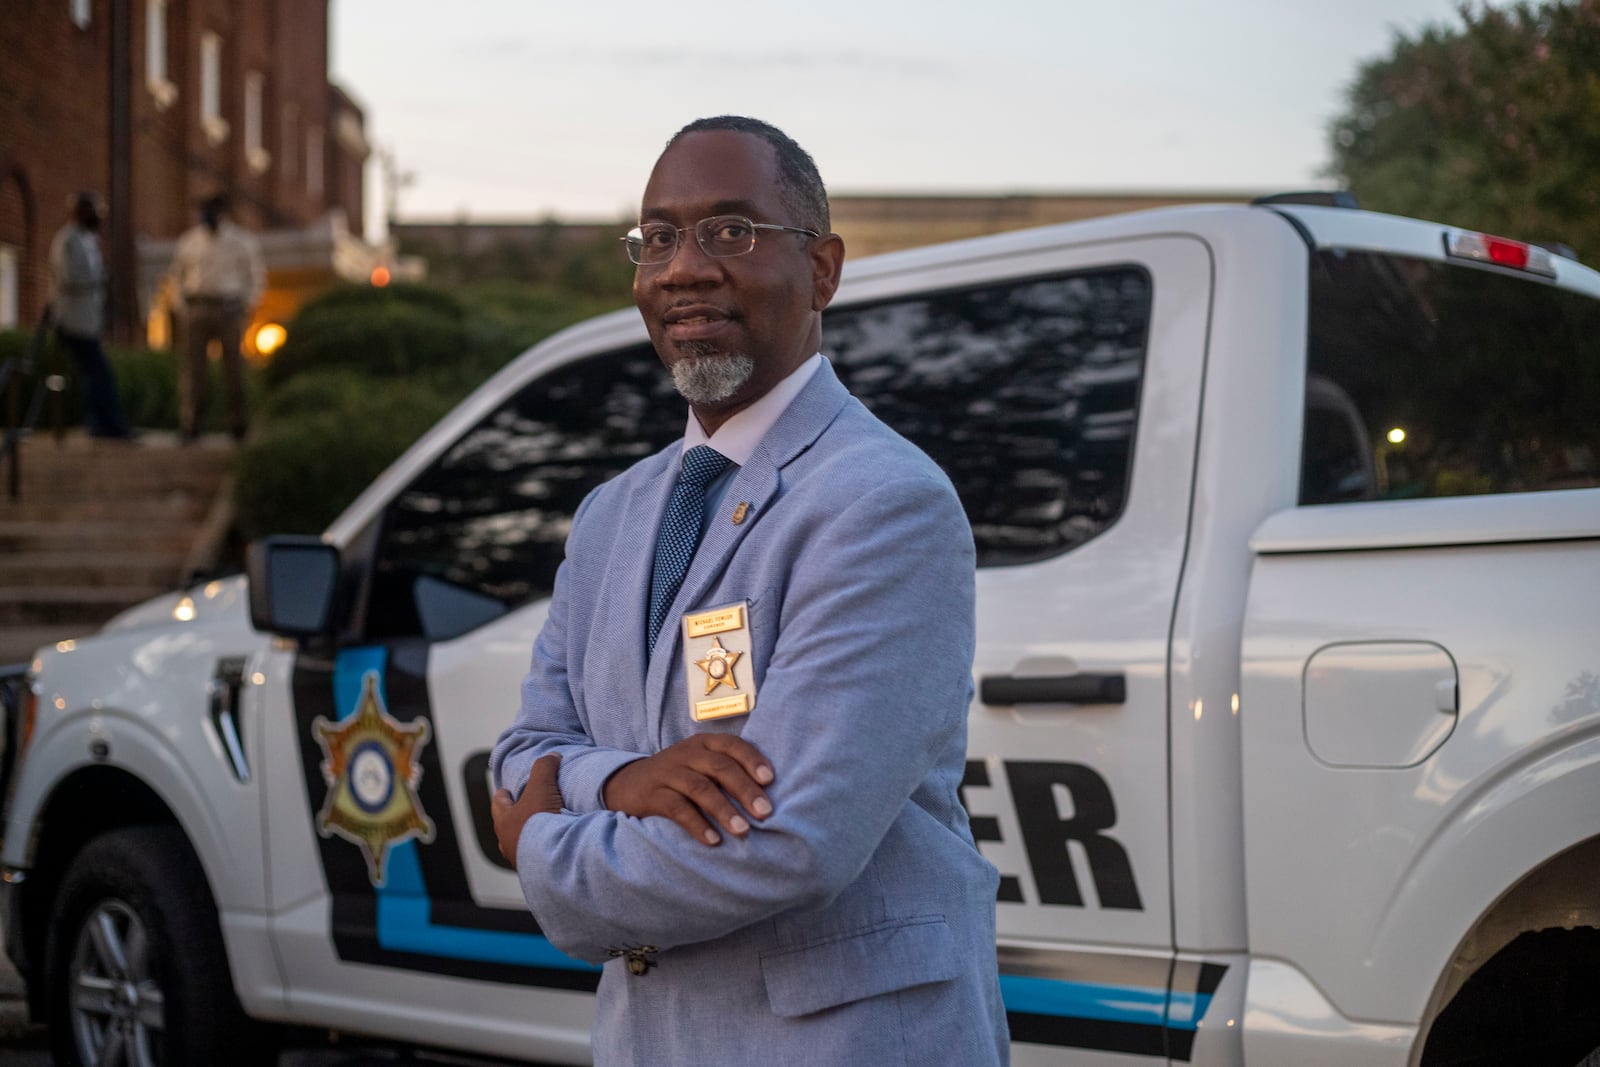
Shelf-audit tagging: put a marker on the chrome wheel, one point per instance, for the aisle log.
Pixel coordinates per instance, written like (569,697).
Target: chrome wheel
(116,1005)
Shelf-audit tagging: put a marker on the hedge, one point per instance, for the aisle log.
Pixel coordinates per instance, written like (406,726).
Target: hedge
(303,468)
(345,298)
(366,371)
(389,339)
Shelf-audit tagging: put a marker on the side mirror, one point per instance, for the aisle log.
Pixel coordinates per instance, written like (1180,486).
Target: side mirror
(294,582)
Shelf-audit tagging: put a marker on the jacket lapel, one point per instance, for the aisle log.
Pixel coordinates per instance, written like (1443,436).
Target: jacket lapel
(625,589)
(756,486)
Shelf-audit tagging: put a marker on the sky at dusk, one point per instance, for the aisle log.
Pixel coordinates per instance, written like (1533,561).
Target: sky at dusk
(504,109)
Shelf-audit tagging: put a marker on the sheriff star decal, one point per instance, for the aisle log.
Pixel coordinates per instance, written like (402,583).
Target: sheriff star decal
(718,666)
(372,770)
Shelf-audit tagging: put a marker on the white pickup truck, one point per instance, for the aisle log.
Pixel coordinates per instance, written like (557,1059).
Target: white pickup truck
(1287,741)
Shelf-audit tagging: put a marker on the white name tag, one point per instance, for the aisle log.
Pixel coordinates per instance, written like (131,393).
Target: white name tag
(716,662)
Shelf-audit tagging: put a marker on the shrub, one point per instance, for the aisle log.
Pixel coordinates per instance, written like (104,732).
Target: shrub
(532,312)
(303,468)
(366,371)
(359,297)
(390,339)
(337,389)
(505,319)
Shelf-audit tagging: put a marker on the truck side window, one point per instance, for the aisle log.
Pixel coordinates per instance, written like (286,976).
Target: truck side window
(1463,380)
(1025,392)
(483,529)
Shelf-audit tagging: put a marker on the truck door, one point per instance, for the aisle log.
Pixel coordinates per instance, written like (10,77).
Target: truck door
(1062,398)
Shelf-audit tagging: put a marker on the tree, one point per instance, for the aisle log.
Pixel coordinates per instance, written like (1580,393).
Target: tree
(1492,126)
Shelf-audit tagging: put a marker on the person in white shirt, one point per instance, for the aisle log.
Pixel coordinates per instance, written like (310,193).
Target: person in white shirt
(77,308)
(217,277)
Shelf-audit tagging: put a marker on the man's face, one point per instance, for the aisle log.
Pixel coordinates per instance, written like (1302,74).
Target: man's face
(763,305)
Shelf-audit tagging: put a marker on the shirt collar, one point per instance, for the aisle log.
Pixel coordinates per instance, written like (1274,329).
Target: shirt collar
(738,437)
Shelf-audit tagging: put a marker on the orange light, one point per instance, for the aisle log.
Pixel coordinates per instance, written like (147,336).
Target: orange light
(270,337)
(380,276)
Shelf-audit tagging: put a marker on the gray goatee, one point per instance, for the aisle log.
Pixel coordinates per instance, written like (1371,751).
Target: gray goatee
(709,377)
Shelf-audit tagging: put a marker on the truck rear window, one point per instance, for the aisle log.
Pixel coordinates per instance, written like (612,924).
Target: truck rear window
(1429,379)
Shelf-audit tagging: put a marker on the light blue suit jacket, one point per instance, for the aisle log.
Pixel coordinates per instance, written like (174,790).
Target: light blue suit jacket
(856,924)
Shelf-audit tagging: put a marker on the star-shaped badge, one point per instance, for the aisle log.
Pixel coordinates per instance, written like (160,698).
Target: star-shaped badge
(372,768)
(718,666)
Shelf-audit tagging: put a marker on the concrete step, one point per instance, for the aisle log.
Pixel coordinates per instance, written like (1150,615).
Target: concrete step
(68,567)
(171,506)
(83,468)
(100,535)
(115,481)
(69,606)
(99,527)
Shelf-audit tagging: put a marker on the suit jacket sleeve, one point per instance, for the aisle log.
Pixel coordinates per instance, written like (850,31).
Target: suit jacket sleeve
(549,721)
(868,684)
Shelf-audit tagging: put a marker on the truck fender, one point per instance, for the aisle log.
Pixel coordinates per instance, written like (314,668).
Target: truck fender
(130,744)
(1503,827)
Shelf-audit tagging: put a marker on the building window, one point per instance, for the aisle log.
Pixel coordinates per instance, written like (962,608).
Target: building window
(255,153)
(155,54)
(211,119)
(314,161)
(9,314)
(80,13)
(289,141)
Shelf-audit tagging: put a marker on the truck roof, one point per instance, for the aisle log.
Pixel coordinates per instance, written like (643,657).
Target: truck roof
(1319,226)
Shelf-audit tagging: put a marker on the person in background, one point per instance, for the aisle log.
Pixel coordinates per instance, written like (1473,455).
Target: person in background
(217,278)
(78,310)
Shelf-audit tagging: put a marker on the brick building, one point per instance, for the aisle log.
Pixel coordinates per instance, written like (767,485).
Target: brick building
(156,104)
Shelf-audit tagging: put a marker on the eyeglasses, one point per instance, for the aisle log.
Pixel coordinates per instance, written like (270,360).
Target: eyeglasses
(654,243)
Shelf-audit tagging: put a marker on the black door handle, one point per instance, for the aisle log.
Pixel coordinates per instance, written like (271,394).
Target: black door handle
(1004,689)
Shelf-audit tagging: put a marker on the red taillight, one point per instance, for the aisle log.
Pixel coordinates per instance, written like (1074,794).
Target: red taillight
(1507,253)
(1501,251)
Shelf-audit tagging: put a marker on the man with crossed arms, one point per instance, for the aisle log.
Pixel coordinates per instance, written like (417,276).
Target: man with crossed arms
(789,877)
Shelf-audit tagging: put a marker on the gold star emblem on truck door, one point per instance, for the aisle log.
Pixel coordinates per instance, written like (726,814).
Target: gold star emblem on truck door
(372,771)
(718,666)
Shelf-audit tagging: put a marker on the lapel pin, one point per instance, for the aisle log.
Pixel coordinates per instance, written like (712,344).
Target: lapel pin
(740,512)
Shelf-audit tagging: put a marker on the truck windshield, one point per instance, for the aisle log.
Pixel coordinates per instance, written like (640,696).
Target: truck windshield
(1429,379)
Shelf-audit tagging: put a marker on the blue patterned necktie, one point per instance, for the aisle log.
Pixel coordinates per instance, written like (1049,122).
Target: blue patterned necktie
(680,530)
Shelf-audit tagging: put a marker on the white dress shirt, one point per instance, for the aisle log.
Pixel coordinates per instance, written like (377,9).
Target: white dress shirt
(223,265)
(738,437)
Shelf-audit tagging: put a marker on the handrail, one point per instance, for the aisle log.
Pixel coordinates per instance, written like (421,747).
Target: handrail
(11,373)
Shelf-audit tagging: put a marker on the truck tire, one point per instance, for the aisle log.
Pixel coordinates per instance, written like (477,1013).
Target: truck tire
(1591,1060)
(136,974)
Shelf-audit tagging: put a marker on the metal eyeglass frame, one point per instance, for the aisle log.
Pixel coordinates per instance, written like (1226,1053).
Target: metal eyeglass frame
(633,241)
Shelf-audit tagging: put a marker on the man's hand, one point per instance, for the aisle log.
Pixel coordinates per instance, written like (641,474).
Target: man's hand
(541,794)
(691,783)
